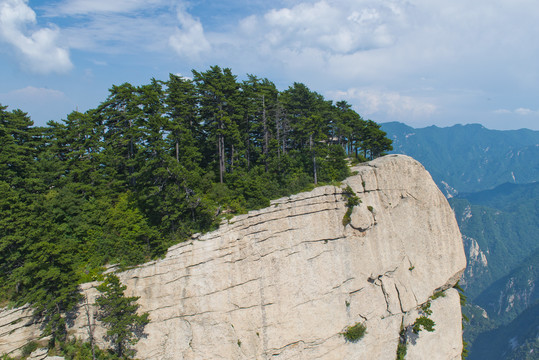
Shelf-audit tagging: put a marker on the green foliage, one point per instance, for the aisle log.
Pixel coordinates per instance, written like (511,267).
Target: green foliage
(355,333)
(119,315)
(75,349)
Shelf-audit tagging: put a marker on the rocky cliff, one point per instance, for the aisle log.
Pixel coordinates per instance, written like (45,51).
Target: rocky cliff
(285,282)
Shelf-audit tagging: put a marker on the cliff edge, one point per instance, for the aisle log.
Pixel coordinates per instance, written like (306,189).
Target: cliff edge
(286,281)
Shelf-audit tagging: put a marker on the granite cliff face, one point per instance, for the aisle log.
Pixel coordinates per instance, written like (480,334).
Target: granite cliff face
(284,282)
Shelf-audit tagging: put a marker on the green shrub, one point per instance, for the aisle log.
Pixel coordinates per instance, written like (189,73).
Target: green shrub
(437,295)
(401,351)
(423,323)
(402,346)
(355,333)
(352,200)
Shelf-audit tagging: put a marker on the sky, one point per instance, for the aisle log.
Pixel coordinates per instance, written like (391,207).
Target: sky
(421,62)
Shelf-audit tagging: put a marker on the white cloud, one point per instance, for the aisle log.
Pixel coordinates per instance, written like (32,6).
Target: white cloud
(31,93)
(38,47)
(124,27)
(124,34)
(518,111)
(390,103)
(525,111)
(84,7)
(340,28)
(189,40)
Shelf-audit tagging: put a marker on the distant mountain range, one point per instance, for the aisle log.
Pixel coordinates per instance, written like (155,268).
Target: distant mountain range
(491,180)
(469,158)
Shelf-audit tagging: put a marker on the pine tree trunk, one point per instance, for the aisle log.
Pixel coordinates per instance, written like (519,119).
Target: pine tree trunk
(265,151)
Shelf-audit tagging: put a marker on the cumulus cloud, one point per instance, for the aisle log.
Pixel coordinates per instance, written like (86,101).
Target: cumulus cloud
(189,39)
(342,28)
(38,48)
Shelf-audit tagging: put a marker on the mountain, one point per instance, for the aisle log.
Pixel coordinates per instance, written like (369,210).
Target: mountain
(499,228)
(491,180)
(511,295)
(518,340)
(469,158)
(291,280)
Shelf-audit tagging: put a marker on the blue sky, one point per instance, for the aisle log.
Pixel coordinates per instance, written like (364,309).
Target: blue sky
(422,62)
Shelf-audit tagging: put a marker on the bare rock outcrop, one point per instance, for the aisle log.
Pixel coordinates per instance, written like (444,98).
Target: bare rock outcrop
(285,282)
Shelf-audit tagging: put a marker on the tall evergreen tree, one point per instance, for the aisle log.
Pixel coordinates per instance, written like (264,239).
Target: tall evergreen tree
(221,112)
(119,315)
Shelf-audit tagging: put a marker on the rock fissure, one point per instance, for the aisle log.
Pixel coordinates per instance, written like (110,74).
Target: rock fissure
(355,291)
(318,255)
(399,298)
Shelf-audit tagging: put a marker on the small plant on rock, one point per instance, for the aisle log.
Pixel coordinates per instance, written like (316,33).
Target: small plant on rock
(423,322)
(355,333)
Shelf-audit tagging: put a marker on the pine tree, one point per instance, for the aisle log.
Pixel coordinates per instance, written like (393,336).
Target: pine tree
(119,315)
